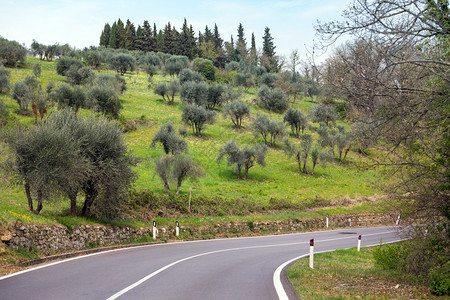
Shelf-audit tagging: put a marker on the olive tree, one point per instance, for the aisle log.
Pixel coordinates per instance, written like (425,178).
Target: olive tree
(24,92)
(67,96)
(122,63)
(268,129)
(4,79)
(301,153)
(177,168)
(272,99)
(194,93)
(244,158)
(185,167)
(168,137)
(297,120)
(197,117)
(105,100)
(236,111)
(65,63)
(189,75)
(323,113)
(47,159)
(12,53)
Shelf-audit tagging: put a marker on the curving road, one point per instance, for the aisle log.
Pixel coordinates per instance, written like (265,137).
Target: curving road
(238,268)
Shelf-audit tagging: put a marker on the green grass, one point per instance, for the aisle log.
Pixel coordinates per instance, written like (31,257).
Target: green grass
(348,274)
(279,180)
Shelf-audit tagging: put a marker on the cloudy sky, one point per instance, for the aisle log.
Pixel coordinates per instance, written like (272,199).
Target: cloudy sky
(79,23)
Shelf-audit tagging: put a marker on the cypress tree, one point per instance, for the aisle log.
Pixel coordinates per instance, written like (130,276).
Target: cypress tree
(268,47)
(253,55)
(208,35)
(130,36)
(120,34)
(241,45)
(138,42)
(268,57)
(113,36)
(217,40)
(187,41)
(104,38)
(148,38)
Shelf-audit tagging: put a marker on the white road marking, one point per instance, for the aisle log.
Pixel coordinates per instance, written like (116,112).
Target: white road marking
(281,292)
(139,282)
(162,245)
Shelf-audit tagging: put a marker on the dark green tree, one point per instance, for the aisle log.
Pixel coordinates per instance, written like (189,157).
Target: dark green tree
(268,59)
(104,37)
(130,36)
(113,43)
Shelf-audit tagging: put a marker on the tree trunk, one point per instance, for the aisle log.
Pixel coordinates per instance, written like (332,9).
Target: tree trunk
(304,164)
(91,193)
(73,204)
(239,167)
(299,161)
(178,186)
(346,152)
(166,186)
(30,199)
(314,165)
(39,199)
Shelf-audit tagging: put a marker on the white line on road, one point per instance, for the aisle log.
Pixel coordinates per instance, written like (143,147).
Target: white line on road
(139,282)
(281,292)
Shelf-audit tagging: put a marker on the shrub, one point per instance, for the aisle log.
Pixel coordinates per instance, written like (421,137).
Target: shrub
(64,64)
(12,53)
(4,80)
(391,256)
(188,75)
(273,100)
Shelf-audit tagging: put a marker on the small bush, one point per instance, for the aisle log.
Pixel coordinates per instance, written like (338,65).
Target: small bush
(391,256)
(440,280)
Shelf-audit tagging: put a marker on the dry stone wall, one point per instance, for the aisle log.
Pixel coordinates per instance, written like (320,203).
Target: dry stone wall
(51,239)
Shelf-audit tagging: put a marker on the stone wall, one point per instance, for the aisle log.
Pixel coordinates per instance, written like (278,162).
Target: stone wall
(50,239)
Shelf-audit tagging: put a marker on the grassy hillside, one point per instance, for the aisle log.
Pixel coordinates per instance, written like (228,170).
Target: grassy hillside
(278,182)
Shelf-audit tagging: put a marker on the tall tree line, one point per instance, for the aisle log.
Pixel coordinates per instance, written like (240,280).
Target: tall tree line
(207,44)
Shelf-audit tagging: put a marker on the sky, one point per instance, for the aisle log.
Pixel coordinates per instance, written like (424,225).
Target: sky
(79,23)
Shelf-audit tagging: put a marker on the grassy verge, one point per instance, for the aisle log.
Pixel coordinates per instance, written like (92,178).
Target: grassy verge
(348,274)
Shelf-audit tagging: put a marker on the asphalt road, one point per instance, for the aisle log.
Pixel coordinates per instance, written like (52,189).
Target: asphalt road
(237,268)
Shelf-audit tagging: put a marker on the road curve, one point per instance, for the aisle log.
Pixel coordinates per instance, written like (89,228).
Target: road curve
(237,268)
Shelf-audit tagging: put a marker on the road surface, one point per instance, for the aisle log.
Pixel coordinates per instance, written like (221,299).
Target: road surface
(235,268)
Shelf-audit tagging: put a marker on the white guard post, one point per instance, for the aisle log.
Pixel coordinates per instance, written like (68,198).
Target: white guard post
(327,221)
(311,253)
(359,243)
(177,229)
(154,230)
